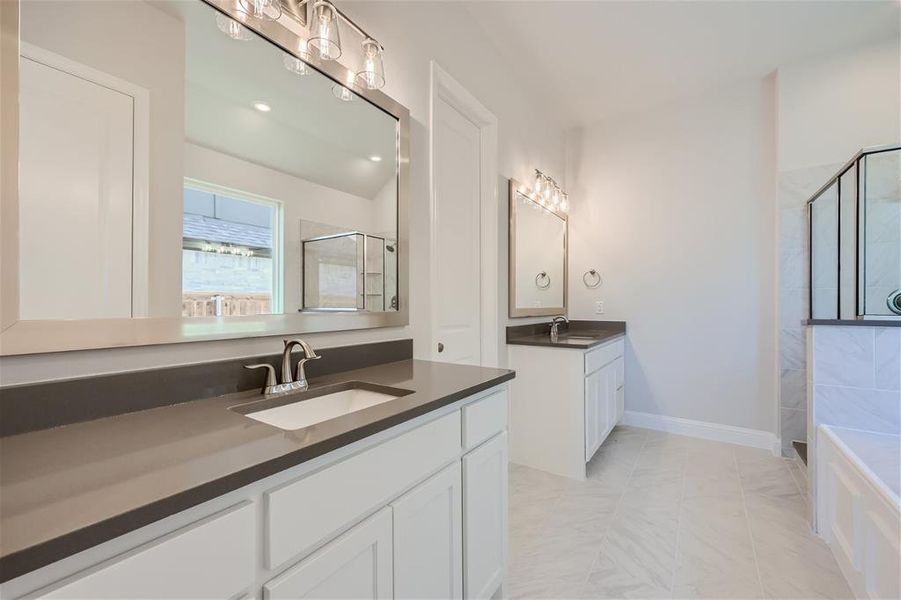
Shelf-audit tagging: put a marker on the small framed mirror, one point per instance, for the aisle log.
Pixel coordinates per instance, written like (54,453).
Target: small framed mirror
(538,256)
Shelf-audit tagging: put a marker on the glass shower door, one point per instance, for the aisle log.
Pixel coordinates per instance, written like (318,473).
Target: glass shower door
(881,243)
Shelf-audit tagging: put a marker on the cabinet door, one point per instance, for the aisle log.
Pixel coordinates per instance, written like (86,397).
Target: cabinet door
(428,538)
(355,565)
(594,385)
(485,518)
(620,404)
(609,400)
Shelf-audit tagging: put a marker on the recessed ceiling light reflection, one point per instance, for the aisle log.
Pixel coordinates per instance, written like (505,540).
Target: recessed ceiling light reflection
(375,158)
(262,106)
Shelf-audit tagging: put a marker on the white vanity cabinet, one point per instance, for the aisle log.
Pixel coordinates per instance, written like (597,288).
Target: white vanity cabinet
(566,402)
(416,511)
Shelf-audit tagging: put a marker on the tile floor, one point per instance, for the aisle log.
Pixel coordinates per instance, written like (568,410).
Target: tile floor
(667,516)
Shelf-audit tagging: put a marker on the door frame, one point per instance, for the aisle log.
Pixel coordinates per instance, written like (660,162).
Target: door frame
(444,87)
(140,193)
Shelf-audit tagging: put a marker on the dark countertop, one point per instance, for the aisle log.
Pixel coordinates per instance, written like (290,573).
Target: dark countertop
(600,332)
(69,488)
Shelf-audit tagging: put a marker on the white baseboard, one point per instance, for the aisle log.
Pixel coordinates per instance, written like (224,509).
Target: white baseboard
(742,436)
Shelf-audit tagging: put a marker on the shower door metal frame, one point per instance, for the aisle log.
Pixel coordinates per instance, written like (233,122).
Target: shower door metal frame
(860,315)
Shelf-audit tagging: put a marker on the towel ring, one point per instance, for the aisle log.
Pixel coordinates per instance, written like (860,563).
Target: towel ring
(539,277)
(595,280)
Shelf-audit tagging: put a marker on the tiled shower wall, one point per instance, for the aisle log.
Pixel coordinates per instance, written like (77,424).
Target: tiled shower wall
(857,377)
(795,188)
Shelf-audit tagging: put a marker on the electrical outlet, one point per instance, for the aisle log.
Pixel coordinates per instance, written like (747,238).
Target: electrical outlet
(599,307)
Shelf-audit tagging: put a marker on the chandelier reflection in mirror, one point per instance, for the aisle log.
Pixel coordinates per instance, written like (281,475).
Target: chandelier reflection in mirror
(323,39)
(549,194)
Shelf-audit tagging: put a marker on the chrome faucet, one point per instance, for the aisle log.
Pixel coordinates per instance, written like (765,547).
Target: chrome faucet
(555,323)
(300,382)
(288,383)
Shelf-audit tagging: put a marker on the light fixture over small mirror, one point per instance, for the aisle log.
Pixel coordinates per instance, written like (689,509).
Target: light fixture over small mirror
(549,194)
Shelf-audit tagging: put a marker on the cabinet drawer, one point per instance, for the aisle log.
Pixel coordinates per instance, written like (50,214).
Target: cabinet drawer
(213,558)
(484,419)
(603,355)
(303,513)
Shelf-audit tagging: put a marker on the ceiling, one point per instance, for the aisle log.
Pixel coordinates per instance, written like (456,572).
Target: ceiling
(593,60)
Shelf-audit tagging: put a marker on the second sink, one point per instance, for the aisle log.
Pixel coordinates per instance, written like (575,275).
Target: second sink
(303,409)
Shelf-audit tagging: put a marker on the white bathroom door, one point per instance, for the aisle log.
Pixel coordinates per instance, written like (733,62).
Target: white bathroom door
(76,182)
(456,230)
(464,227)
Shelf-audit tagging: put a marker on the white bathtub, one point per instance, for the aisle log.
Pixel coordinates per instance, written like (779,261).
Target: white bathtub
(858,508)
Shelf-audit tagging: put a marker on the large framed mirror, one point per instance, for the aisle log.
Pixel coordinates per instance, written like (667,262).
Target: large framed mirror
(184,175)
(538,256)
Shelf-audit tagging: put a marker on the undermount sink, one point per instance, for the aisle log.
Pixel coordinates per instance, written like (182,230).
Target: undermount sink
(303,409)
(576,338)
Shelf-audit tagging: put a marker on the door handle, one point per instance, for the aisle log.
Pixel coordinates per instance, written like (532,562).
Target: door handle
(440,347)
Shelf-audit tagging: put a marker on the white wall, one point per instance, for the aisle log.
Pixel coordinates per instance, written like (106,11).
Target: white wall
(832,106)
(529,136)
(676,209)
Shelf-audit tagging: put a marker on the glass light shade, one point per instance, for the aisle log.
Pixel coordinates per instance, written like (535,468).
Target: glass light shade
(538,188)
(295,65)
(264,10)
(564,202)
(232,28)
(342,93)
(324,36)
(371,75)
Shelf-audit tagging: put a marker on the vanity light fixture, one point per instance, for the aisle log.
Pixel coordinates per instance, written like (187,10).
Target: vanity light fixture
(262,106)
(232,28)
(549,194)
(325,38)
(324,34)
(264,10)
(372,72)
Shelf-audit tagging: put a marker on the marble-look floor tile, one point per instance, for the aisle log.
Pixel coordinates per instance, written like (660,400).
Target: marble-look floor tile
(743,587)
(714,542)
(637,553)
(665,516)
(797,579)
(769,478)
(548,588)
(605,584)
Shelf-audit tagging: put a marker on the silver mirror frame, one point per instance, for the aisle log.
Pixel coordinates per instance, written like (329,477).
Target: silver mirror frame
(545,311)
(36,337)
